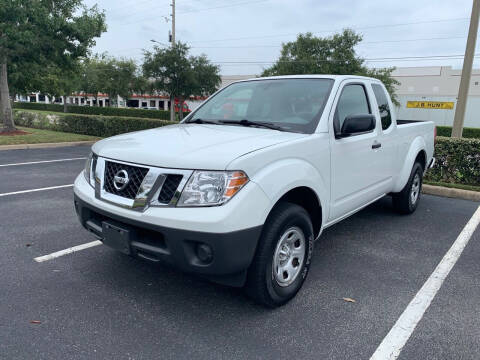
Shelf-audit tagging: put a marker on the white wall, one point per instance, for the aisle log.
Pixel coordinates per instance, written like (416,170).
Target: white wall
(441,117)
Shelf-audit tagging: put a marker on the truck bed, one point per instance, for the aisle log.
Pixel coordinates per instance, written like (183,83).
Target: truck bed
(405,122)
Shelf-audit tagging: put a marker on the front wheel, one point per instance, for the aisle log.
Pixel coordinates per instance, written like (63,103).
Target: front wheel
(283,256)
(406,201)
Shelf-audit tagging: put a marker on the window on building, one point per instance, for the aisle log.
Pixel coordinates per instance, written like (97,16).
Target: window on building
(144,104)
(58,100)
(383,107)
(82,101)
(152,103)
(76,101)
(41,98)
(33,99)
(161,105)
(353,101)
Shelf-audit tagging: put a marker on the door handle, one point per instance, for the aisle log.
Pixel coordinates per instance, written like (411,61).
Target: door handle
(376,145)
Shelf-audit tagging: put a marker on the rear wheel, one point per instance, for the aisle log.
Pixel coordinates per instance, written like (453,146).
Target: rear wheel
(406,201)
(283,256)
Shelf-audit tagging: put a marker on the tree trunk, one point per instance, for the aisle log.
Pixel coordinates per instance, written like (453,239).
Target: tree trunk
(181,100)
(65,106)
(172,108)
(5,106)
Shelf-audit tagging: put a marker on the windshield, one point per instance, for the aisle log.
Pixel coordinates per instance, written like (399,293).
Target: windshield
(291,104)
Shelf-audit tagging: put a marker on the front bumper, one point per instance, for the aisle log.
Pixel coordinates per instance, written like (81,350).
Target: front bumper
(231,252)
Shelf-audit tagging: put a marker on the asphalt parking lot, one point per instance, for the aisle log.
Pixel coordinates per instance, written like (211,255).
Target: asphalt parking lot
(99,304)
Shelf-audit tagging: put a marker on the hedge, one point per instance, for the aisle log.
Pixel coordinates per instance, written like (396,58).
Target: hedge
(94,110)
(100,126)
(469,133)
(457,161)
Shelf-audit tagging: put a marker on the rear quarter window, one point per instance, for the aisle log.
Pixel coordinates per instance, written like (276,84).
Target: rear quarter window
(383,107)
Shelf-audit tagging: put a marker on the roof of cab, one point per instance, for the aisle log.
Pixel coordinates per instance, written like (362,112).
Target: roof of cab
(333,77)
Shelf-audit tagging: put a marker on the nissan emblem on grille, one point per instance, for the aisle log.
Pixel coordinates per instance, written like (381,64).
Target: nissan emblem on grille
(120,180)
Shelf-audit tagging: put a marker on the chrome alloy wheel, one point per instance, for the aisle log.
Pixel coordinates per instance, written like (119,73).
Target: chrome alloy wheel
(415,190)
(289,256)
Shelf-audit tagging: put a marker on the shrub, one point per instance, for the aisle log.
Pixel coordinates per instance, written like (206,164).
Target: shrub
(469,133)
(100,126)
(93,110)
(457,161)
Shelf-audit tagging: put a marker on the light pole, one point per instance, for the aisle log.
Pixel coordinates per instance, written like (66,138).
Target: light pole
(158,42)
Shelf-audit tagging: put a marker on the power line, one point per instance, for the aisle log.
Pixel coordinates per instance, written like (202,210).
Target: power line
(363,42)
(334,30)
(402,58)
(197,10)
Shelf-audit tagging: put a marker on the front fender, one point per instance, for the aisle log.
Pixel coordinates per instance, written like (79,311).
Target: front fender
(279,177)
(417,145)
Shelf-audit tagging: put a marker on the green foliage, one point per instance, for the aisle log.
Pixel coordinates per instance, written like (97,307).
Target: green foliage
(180,75)
(41,33)
(469,133)
(92,110)
(100,126)
(169,67)
(457,161)
(330,55)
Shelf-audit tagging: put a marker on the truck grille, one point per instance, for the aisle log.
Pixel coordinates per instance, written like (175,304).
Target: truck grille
(169,188)
(135,176)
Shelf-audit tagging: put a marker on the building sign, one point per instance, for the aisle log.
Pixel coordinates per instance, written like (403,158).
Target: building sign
(444,105)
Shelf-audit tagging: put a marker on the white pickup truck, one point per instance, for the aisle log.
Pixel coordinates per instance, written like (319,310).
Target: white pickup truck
(239,191)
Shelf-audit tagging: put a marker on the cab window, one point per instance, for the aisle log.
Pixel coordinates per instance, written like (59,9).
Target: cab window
(383,107)
(353,101)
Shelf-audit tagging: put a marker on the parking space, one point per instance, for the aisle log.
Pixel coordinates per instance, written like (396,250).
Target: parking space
(97,303)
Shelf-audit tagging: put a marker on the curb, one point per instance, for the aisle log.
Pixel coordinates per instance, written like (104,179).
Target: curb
(451,192)
(45,145)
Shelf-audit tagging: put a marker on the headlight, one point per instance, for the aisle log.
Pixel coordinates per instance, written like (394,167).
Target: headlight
(209,188)
(89,171)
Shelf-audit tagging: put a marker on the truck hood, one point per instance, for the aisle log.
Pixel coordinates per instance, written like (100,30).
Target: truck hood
(190,146)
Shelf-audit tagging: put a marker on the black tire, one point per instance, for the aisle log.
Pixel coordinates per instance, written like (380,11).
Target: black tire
(403,201)
(261,283)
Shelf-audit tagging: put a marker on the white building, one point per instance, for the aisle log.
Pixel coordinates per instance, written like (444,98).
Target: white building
(432,92)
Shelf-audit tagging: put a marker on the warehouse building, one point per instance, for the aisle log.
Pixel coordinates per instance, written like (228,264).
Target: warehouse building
(430,93)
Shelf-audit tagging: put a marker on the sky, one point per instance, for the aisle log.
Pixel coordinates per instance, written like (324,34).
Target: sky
(245,36)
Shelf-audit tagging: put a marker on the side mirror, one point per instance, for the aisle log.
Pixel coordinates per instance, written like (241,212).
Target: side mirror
(356,124)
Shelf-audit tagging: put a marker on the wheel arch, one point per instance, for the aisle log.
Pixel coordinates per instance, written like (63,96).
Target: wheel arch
(307,198)
(416,152)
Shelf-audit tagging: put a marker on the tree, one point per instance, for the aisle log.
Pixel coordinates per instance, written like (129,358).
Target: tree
(169,68)
(43,33)
(177,74)
(60,83)
(91,79)
(203,81)
(119,78)
(330,55)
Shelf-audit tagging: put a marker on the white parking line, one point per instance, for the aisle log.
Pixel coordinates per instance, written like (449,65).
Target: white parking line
(35,190)
(42,162)
(399,334)
(70,250)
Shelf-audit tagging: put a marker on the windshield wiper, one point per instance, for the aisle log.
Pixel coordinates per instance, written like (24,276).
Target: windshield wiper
(246,122)
(201,121)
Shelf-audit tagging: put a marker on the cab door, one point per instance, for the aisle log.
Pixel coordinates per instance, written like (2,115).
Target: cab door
(357,173)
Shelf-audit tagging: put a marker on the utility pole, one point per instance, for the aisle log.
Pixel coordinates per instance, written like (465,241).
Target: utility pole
(173,23)
(172,96)
(466,72)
